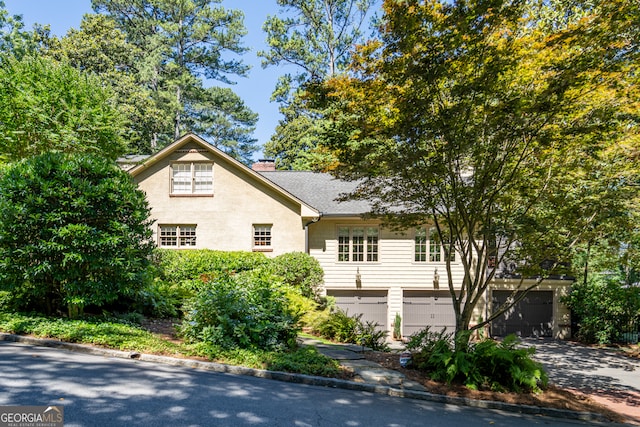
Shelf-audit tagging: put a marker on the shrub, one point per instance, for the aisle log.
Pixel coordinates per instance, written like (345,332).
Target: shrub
(301,271)
(397,327)
(305,359)
(74,231)
(247,310)
(300,305)
(337,325)
(185,266)
(604,308)
(486,364)
(160,299)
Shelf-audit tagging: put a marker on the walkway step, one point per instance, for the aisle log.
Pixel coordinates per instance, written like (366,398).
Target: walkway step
(351,357)
(372,373)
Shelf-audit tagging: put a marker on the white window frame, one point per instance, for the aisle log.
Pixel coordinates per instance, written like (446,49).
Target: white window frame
(262,237)
(191,179)
(420,245)
(358,243)
(177,236)
(428,248)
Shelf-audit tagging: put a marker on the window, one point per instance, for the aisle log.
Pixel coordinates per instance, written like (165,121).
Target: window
(357,244)
(429,247)
(192,178)
(262,237)
(434,245)
(177,236)
(420,245)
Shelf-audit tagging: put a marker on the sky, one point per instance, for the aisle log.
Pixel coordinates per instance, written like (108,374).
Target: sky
(255,89)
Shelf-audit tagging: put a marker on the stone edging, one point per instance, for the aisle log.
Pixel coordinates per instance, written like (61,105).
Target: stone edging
(307,379)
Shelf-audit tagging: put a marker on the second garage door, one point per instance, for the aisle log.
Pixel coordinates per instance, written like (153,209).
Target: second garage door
(371,304)
(427,308)
(531,317)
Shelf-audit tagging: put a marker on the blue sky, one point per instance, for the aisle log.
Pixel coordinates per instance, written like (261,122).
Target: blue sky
(255,90)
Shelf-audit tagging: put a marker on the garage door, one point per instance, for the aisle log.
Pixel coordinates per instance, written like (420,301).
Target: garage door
(372,305)
(427,308)
(531,317)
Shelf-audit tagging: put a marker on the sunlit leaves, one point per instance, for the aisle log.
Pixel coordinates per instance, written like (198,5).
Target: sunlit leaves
(494,119)
(50,106)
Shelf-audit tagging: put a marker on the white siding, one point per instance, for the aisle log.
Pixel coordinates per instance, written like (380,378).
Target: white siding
(395,270)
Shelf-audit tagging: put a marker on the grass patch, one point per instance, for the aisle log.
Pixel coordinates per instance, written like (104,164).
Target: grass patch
(105,333)
(126,336)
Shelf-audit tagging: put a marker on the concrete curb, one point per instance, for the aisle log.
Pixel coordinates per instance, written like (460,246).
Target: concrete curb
(307,379)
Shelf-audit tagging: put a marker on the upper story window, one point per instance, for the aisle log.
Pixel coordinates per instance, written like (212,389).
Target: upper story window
(192,178)
(176,236)
(262,237)
(420,245)
(428,246)
(358,244)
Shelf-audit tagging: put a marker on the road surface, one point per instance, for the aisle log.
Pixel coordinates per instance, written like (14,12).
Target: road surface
(102,391)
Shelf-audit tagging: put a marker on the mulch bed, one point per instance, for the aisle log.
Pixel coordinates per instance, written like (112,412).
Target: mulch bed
(552,397)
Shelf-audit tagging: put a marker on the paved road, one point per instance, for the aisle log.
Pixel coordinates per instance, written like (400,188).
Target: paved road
(101,391)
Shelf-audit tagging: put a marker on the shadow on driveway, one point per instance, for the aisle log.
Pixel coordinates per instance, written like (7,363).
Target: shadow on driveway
(603,374)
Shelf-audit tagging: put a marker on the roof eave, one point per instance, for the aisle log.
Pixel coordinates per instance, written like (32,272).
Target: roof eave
(305,209)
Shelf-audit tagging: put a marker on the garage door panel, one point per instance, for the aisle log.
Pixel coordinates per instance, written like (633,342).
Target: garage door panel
(371,304)
(427,308)
(532,316)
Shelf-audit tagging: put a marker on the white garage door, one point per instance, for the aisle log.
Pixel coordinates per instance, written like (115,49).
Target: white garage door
(427,308)
(371,304)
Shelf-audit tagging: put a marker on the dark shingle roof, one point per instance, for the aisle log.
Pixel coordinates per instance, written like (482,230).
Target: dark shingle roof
(319,190)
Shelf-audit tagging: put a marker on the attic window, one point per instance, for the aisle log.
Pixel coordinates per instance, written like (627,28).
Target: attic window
(192,178)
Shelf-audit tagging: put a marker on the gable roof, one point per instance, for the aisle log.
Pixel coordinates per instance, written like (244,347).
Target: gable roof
(306,210)
(320,190)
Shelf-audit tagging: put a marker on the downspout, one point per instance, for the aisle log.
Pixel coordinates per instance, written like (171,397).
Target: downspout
(306,232)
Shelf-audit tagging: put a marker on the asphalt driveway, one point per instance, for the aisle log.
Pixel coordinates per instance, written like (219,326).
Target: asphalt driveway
(605,375)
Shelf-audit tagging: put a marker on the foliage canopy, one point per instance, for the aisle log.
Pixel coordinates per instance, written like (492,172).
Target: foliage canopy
(184,43)
(316,38)
(501,122)
(74,232)
(46,105)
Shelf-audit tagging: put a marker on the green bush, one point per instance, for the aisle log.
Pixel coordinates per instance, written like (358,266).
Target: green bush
(337,325)
(123,334)
(300,270)
(160,299)
(486,364)
(305,359)
(301,306)
(247,310)
(74,232)
(185,266)
(183,273)
(604,308)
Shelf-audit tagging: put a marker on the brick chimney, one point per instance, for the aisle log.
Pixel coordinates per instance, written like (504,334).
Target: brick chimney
(264,165)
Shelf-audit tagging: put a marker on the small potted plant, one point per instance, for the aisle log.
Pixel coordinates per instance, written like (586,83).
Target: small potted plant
(397,327)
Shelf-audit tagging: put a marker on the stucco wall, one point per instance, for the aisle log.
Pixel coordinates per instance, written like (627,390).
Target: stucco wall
(224,221)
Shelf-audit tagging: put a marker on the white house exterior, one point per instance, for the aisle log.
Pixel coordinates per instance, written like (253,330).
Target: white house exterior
(202,198)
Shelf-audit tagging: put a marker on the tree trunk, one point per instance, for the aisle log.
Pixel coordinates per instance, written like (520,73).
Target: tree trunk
(178,117)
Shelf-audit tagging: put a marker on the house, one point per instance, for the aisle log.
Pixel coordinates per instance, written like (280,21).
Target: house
(202,198)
